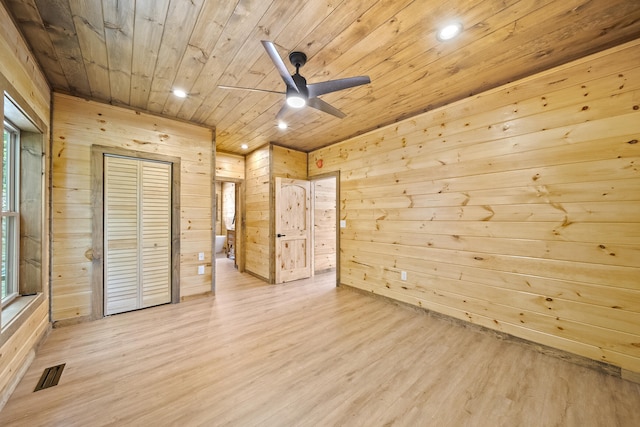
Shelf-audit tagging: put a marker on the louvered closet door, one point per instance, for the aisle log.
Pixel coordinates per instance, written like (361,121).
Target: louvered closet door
(156,233)
(137,234)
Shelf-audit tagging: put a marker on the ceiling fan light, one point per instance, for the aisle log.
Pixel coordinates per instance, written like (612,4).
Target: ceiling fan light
(449,31)
(296,101)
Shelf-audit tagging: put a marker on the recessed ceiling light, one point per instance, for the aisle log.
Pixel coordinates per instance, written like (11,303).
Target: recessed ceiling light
(244,146)
(282,125)
(449,31)
(180,93)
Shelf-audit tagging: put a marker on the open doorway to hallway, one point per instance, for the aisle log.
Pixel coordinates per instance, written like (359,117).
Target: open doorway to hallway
(227,250)
(325,215)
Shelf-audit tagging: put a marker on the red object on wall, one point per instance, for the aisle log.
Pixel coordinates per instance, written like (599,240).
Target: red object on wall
(319,163)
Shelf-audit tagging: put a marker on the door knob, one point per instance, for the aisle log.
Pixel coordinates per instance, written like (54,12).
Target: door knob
(280,235)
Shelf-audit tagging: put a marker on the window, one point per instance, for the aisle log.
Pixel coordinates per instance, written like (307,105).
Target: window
(22,184)
(10,228)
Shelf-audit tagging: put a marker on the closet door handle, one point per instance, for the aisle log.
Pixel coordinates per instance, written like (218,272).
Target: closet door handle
(280,235)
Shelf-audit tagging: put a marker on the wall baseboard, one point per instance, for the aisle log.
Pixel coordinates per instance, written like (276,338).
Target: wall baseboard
(257,276)
(326,270)
(10,388)
(599,366)
(72,321)
(6,393)
(196,296)
(631,376)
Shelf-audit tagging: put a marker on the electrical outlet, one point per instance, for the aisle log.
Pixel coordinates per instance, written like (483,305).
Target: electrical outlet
(403,275)
(343,223)
(201,269)
(201,256)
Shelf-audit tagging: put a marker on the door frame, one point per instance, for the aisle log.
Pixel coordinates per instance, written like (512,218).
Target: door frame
(96,254)
(336,175)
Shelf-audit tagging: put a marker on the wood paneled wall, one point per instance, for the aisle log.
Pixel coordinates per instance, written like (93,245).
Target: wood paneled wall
(257,207)
(324,224)
(288,163)
(77,124)
(23,81)
(229,166)
(516,209)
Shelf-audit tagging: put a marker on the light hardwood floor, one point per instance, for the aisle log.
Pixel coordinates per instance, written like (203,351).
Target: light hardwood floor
(305,354)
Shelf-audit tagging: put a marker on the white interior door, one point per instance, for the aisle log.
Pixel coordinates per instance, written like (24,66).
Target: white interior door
(293,229)
(137,234)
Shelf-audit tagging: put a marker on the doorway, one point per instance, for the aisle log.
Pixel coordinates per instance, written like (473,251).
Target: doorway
(325,217)
(306,233)
(228,253)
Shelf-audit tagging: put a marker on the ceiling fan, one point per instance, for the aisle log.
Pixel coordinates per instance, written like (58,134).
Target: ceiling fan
(298,92)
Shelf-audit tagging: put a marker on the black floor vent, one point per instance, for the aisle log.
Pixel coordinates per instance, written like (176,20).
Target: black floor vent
(50,377)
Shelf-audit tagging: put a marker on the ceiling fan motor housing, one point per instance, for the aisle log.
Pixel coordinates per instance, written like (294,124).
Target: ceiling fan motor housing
(297,59)
(301,83)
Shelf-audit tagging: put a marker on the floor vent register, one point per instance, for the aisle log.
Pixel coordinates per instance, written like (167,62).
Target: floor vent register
(50,377)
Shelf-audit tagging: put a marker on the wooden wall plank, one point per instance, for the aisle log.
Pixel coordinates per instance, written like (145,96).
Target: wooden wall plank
(621,255)
(515,209)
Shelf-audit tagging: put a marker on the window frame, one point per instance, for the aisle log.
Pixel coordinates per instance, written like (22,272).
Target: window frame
(10,214)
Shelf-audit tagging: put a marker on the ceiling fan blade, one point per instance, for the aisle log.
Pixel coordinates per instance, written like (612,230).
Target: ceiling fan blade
(317,89)
(277,61)
(283,112)
(250,89)
(319,104)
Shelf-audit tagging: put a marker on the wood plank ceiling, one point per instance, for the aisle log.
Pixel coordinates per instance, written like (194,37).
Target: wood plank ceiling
(133,52)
